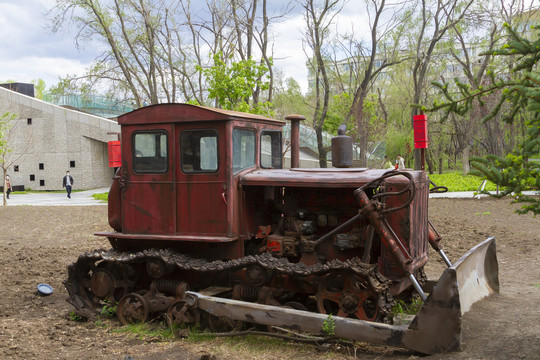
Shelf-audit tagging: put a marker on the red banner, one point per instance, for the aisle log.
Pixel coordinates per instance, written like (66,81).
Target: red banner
(420,131)
(115,158)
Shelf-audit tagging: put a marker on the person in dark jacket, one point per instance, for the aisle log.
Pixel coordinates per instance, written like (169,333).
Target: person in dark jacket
(67,183)
(8,186)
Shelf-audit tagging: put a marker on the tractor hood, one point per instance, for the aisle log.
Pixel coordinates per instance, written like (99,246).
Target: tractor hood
(321,178)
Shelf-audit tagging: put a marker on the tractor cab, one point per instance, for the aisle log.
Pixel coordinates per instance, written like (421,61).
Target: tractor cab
(181,166)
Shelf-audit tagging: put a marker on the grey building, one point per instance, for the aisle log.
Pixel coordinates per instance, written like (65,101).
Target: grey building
(47,140)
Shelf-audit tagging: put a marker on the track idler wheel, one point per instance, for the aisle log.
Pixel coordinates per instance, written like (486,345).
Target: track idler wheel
(109,281)
(348,295)
(133,308)
(180,313)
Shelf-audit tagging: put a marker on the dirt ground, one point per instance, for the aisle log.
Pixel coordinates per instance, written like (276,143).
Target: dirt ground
(37,244)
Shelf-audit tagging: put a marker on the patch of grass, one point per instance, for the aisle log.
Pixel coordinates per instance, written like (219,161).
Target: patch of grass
(109,310)
(483,213)
(255,341)
(254,344)
(100,323)
(101,196)
(149,330)
(197,336)
(408,308)
(456,181)
(329,326)
(75,317)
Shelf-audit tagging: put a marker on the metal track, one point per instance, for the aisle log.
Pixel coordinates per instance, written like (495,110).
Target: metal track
(86,306)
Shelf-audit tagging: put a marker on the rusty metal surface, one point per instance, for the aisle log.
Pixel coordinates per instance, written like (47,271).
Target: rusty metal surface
(323,178)
(342,156)
(435,329)
(167,113)
(289,318)
(295,138)
(182,238)
(81,297)
(334,241)
(477,273)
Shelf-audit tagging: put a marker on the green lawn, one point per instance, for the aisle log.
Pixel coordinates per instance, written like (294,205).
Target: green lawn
(101,196)
(455,181)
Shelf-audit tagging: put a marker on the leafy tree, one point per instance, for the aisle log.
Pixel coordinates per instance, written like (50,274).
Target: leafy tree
(339,105)
(319,16)
(396,141)
(66,86)
(382,51)
(150,48)
(516,171)
(435,19)
(39,86)
(231,86)
(288,99)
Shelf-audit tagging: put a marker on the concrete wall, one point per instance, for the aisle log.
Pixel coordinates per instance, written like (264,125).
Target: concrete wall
(55,138)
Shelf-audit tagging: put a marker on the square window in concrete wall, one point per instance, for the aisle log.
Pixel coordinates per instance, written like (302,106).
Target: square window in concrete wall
(41,166)
(16,168)
(72,163)
(29,121)
(41,182)
(32,177)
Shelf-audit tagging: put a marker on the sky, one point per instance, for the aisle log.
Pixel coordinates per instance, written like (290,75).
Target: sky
(29,50)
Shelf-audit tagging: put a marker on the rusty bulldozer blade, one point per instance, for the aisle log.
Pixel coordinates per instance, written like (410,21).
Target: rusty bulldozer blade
(435,329)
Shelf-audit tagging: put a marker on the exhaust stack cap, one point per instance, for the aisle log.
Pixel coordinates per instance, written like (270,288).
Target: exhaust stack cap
(342,150)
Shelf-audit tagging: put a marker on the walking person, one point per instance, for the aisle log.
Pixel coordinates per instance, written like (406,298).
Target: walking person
(400,162)
(8,186)
(67,182)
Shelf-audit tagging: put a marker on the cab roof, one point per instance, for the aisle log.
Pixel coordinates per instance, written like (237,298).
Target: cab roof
(172,113)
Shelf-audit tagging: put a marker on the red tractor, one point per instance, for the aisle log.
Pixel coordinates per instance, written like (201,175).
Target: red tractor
(210,229)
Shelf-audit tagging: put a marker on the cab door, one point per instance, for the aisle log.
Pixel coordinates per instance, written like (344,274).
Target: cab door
(202,182)
(148,199)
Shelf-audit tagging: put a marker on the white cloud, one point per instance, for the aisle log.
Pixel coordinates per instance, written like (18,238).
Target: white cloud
(46,68)
(29,50)
(289,56)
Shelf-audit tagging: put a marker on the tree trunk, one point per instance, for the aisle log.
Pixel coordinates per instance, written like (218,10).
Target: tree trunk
(4,187)
(321,148)
(429,163)
(465,159)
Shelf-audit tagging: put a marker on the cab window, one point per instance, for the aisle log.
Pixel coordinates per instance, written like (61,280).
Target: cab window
(271,149)
(150,153)
(199,151)
(243,149)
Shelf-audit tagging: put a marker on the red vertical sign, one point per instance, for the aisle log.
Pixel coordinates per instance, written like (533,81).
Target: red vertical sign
(115,158)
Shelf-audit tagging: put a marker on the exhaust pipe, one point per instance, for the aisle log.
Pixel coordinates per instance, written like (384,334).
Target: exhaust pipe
(295,138)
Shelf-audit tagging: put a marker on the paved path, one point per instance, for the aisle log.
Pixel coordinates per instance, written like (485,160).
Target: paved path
(45,198)
(83,198)
(470,194)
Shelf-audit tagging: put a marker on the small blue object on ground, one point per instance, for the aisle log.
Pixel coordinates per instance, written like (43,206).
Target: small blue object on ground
(44,289)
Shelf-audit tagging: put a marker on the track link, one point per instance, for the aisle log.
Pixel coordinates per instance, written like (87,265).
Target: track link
(87,305)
